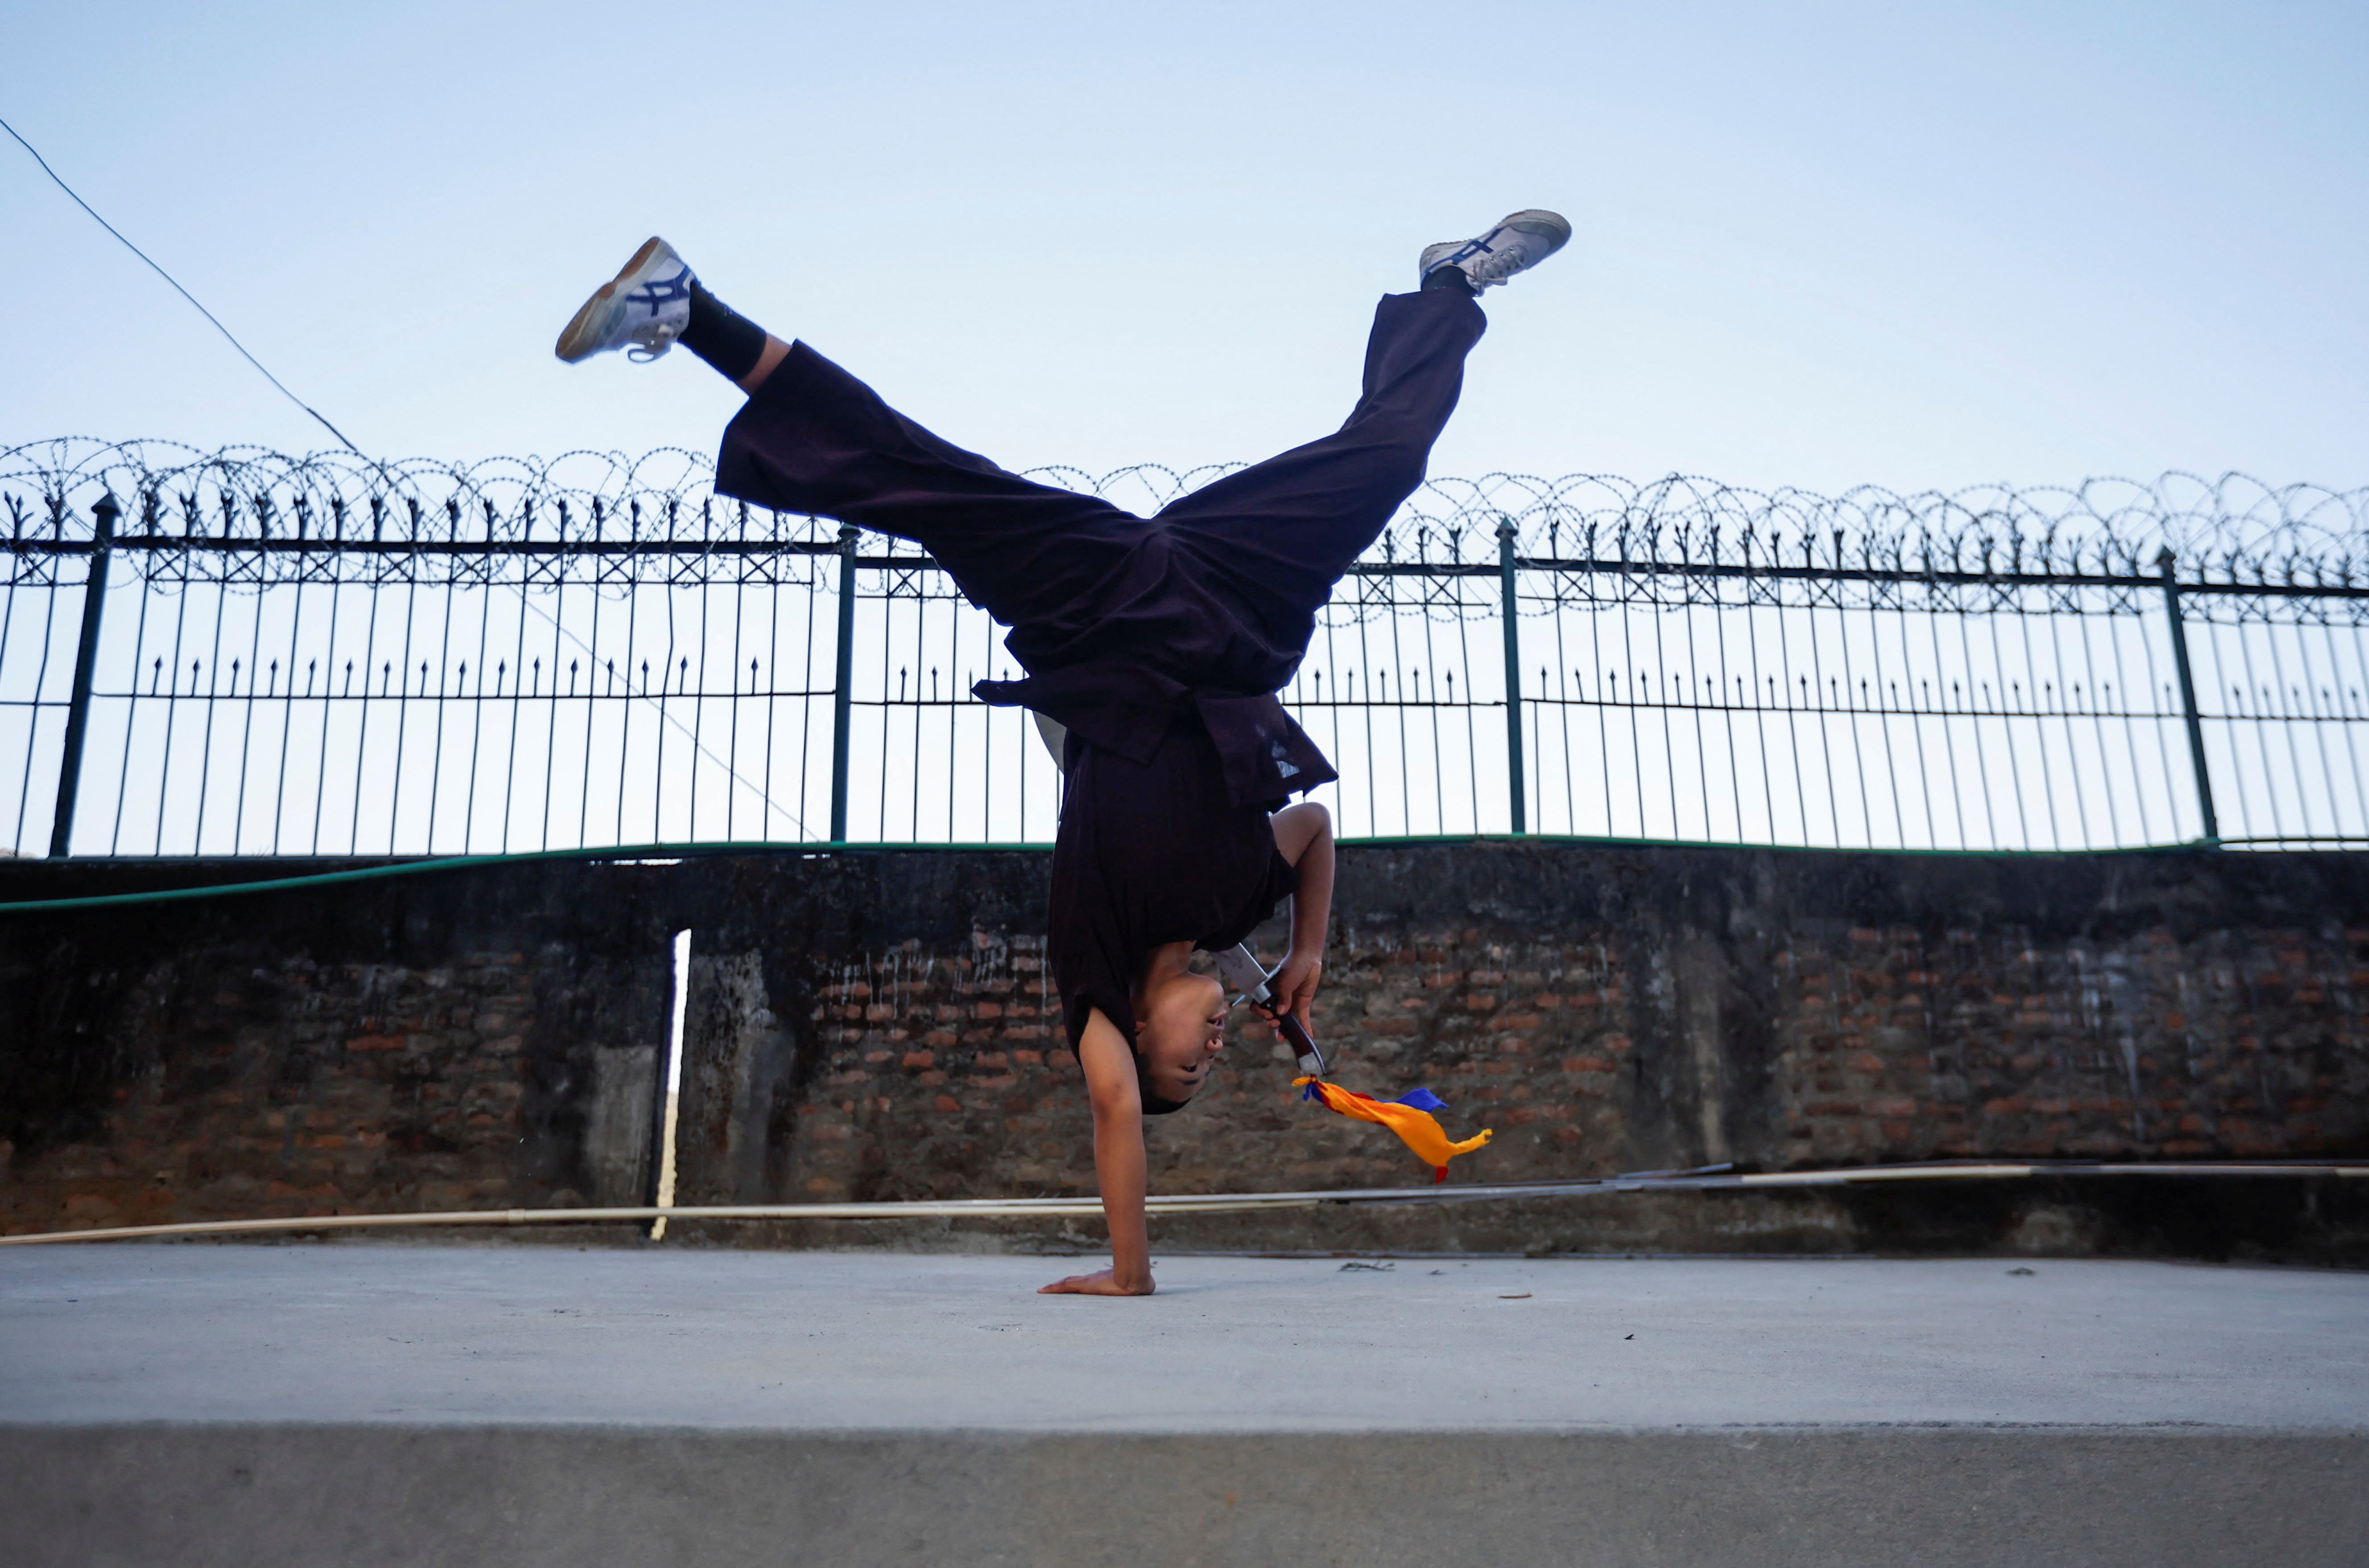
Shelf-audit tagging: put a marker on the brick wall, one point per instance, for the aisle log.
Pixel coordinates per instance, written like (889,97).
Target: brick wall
(958,1058)
(295,1087)
(942,1073)
(2244,1043)
(878,1027)
(243,1058)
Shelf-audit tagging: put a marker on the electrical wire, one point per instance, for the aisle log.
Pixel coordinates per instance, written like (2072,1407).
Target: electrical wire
(185,293)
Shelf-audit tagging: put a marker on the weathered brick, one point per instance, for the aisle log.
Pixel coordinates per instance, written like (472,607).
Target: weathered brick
(1982,1040)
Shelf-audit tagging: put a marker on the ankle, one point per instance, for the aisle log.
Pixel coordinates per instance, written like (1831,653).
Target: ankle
(727,340)
(770,361)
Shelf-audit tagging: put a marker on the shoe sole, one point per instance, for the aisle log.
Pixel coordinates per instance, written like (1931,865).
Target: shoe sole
(575,340)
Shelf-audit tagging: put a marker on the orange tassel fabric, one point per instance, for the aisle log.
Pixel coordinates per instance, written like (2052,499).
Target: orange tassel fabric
(1409,1118)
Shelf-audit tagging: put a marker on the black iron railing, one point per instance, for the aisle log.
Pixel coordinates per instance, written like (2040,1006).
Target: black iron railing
(241,653)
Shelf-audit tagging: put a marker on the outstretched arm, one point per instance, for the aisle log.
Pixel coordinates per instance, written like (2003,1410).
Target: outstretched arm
(1303,833)
(1119,1164)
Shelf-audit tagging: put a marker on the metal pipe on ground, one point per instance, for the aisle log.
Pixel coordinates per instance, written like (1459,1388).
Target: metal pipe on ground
(1705,1180)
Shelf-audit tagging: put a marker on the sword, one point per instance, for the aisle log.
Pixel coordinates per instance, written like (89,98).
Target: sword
(1241,969)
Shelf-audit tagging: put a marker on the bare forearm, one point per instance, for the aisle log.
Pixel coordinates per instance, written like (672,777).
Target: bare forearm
(1121,1169)
(1119,1163)
(1311,904)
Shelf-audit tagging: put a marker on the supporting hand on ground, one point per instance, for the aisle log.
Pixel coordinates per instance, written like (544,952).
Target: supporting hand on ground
(1103,1283)
(1119,1164)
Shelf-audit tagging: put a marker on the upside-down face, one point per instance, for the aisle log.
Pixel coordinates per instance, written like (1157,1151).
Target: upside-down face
(1180,1029)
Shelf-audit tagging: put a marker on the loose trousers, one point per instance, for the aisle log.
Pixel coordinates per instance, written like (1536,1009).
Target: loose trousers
(1219,590)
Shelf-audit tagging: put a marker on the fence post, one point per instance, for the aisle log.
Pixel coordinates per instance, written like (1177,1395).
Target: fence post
(843,692)
(94,605)
(2165,562)
(1512,671)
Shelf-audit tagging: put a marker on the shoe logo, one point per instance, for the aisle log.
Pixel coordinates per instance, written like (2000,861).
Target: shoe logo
(658,292)
(1474,248)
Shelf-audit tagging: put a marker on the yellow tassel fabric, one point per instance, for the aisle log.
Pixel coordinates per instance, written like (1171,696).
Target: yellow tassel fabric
(1418,1130)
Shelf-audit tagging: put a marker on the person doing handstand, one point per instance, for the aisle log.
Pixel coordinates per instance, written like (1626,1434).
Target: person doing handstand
(1159,643)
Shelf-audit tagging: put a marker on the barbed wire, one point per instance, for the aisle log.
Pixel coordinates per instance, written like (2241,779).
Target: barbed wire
(614,519)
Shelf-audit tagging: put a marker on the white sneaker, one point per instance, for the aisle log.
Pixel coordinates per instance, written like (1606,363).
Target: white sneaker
(1518,243)
(642,310)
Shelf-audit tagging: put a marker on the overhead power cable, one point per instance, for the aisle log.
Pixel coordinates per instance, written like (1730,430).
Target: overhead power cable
(185,293)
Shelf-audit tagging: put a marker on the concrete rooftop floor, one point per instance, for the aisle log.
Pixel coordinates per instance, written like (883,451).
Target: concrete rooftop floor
(807,1342)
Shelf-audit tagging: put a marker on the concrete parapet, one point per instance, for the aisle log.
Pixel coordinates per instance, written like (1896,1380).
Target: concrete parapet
(878,1026)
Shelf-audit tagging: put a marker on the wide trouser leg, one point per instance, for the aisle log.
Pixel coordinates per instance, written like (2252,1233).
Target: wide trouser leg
(1276,537)
(813,439)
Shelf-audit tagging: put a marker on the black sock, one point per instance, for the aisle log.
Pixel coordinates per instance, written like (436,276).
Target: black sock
(722,336)
(1443,277)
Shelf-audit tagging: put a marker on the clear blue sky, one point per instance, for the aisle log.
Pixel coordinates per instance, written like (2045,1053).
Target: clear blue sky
(1818,244)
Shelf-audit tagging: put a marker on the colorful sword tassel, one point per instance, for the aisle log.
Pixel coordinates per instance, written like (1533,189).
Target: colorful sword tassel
(1409,1115)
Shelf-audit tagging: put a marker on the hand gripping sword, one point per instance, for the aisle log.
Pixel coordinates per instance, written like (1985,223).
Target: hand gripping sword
(1241,969)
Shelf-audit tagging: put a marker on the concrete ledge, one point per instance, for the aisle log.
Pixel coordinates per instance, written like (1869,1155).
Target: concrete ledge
(320,1495)
(507,1406)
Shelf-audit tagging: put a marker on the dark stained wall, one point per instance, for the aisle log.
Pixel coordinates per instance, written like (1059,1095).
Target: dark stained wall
(876,1025)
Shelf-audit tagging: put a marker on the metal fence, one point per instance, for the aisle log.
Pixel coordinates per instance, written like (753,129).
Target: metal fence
(241,653)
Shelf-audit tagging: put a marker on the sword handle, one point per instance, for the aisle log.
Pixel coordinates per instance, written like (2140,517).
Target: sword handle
(1311,1060)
